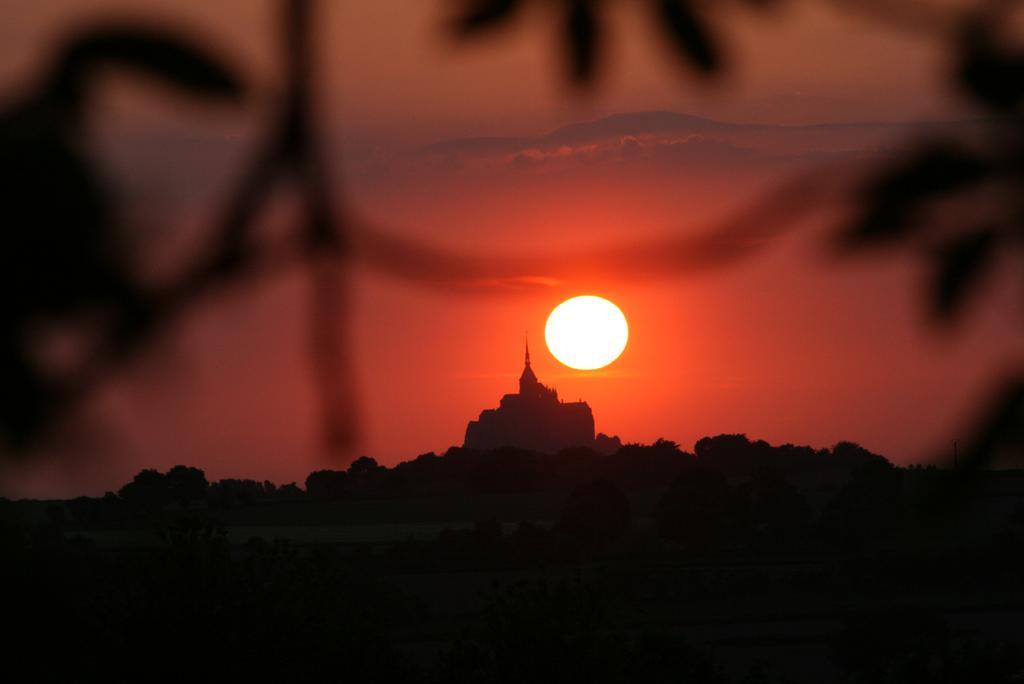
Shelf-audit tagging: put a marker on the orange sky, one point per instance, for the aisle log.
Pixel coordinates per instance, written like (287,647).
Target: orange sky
(792,346)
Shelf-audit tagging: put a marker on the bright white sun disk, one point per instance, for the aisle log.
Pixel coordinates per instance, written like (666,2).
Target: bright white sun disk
(586,332)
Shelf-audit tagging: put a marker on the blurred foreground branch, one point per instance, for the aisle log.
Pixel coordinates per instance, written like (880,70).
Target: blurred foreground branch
(63,259)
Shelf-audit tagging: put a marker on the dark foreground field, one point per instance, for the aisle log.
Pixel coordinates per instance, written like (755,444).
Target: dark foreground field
(729,575)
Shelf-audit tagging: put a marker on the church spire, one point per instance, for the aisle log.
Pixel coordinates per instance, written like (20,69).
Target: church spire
(528,382)
(527,338)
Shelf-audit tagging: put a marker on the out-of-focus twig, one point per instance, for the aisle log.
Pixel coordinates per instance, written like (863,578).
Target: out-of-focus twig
(684,253)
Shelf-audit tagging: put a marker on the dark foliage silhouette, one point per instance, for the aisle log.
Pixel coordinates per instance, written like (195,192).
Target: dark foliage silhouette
(194,609)
(327,484)
(63,257)
(700,510)
(232,492)
(151,490)
(146,492)
(778,516)
(753,475)
(608,587)
(682,23)
(868,507)
(957,205)
(68,266)
(596,514)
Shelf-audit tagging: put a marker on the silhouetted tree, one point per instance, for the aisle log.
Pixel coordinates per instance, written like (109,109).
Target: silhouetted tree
(109,508)
(853,455)
(778,516)
(146,493)
(55,514)
(868,509)
(326,484)
(186,486)
(106,509)
(289,492)
(82,509)
(641,466)
(233,492)
(365,476)
(596,514)
(700,510)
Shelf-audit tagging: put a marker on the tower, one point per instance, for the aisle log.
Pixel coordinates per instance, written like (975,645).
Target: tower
(533,419)
(528,382)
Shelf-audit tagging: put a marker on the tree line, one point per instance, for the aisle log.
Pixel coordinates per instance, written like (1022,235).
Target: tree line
(729,494)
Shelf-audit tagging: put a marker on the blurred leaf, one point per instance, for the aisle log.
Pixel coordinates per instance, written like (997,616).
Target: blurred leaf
(484,14)
(26,404)
(581,33)
(688,35)
(960,264)
(59,251)
(994,77)
(892,198)
(152,51)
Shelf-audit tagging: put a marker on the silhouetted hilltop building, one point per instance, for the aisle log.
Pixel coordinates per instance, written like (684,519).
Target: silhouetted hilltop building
(535,419)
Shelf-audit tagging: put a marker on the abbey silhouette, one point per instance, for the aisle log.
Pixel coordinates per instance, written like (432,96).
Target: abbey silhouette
(537,420)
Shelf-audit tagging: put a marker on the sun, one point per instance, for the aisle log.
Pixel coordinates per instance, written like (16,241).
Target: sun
(586,332)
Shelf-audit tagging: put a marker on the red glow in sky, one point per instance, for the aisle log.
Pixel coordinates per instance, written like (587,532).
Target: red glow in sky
(790,346)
